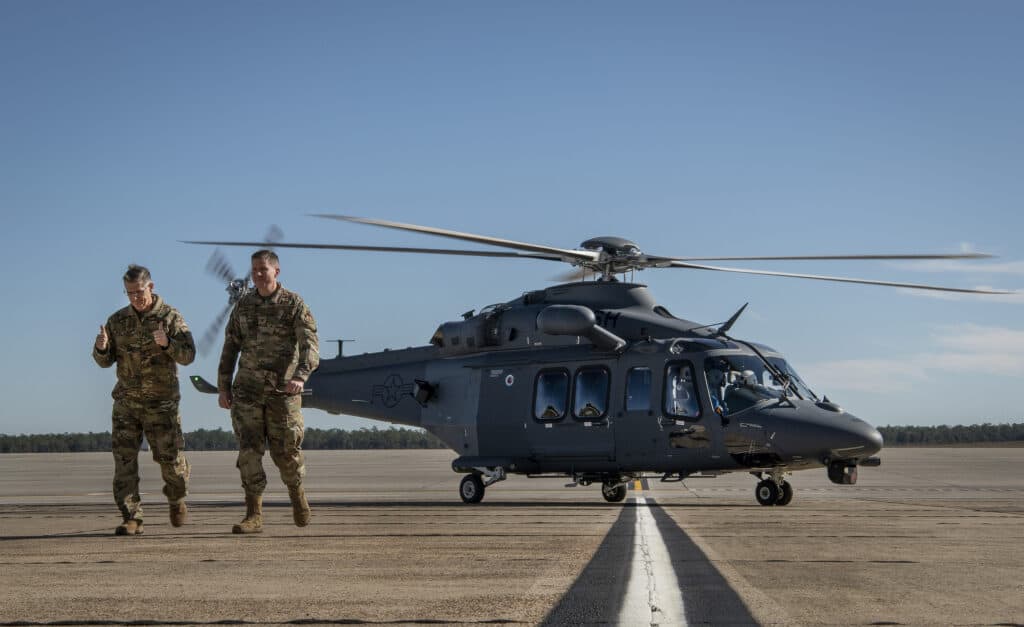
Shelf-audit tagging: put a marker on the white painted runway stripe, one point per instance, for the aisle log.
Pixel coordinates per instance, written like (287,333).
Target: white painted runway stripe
(652,595)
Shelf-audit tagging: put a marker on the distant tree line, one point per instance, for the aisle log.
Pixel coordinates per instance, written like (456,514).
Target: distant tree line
(55,443)
(221,440)
(958,434)
(394,438)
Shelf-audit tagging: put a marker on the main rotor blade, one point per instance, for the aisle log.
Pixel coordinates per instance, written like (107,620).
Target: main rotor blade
(835,257)
(386,249)
(564,253)
(915,286)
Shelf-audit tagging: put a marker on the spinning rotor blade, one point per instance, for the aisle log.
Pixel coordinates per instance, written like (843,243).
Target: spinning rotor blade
(219,267)
(836,257)
(563,253)
(212,331)
(605,256)
(916,286)
(388,249)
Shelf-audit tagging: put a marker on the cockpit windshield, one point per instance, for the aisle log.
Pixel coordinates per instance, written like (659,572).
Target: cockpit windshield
(783,366)
(737,382)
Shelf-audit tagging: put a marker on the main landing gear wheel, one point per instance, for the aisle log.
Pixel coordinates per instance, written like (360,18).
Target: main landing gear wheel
(471,489)
(613,493)
(787,494)
(767,492)
(771,492)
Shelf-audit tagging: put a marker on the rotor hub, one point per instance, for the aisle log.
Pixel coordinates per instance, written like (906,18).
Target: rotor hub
(236,289)
(616,256)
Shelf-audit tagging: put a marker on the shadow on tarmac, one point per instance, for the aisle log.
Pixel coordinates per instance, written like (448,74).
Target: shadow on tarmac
(598,594)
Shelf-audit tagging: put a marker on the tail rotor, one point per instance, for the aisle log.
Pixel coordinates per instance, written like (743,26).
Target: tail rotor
(219,267)
(237,286)
(209,338)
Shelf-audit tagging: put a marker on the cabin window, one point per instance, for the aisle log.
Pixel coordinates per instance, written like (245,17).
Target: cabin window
(590,394)
(680,391)
(551,396)
(438,338)
(638,389)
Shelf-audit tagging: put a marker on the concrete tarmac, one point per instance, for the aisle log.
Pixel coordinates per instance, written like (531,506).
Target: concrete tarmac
(932,537)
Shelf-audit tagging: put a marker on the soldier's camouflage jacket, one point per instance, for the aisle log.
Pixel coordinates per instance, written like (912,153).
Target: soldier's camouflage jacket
(276,337)
(145,371)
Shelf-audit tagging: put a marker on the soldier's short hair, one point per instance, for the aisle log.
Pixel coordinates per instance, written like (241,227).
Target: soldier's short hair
(136,273)
(267,255)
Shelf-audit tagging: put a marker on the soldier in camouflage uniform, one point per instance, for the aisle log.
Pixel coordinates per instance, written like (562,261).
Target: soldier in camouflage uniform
(146,340)
(275,333)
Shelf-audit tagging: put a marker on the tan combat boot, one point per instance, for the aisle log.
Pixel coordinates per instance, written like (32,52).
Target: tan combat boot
(253,521)
(300,507)
(179,513)
(130,527)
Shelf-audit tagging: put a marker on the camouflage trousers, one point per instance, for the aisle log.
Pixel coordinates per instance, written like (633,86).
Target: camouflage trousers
(275,419)
(161,424)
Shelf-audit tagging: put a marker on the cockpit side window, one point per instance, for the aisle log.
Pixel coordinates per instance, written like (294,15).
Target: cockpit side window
(591,393)
(638,389)
(551,395)
(680,392)
(716,373)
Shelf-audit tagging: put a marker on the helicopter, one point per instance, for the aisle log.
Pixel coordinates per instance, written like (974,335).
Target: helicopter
(594,381)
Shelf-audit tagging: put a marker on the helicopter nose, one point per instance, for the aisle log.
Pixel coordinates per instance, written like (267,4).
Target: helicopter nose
(859,439)
(874,441)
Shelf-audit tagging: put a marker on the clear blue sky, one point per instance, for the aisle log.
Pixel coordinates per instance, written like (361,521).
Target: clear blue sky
(692,129)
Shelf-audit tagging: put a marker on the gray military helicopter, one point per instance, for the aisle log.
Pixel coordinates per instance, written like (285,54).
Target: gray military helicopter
(595,381)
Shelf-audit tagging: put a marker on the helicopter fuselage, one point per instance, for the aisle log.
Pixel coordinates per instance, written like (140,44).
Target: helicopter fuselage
(595,381)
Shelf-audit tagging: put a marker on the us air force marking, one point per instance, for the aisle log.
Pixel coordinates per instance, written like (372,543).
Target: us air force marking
(392,390)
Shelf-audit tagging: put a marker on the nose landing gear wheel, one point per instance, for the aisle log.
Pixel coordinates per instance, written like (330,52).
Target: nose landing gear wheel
(613,493)
(767,492)
(471,489)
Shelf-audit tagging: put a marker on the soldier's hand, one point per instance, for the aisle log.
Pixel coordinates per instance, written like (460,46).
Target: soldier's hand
(224,399)
(160,336)
(102,339)
(293,387)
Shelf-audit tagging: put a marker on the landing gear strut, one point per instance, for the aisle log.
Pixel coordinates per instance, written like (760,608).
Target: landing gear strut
(773,489)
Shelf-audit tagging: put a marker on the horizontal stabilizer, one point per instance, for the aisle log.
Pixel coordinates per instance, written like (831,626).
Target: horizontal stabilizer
(203,385)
